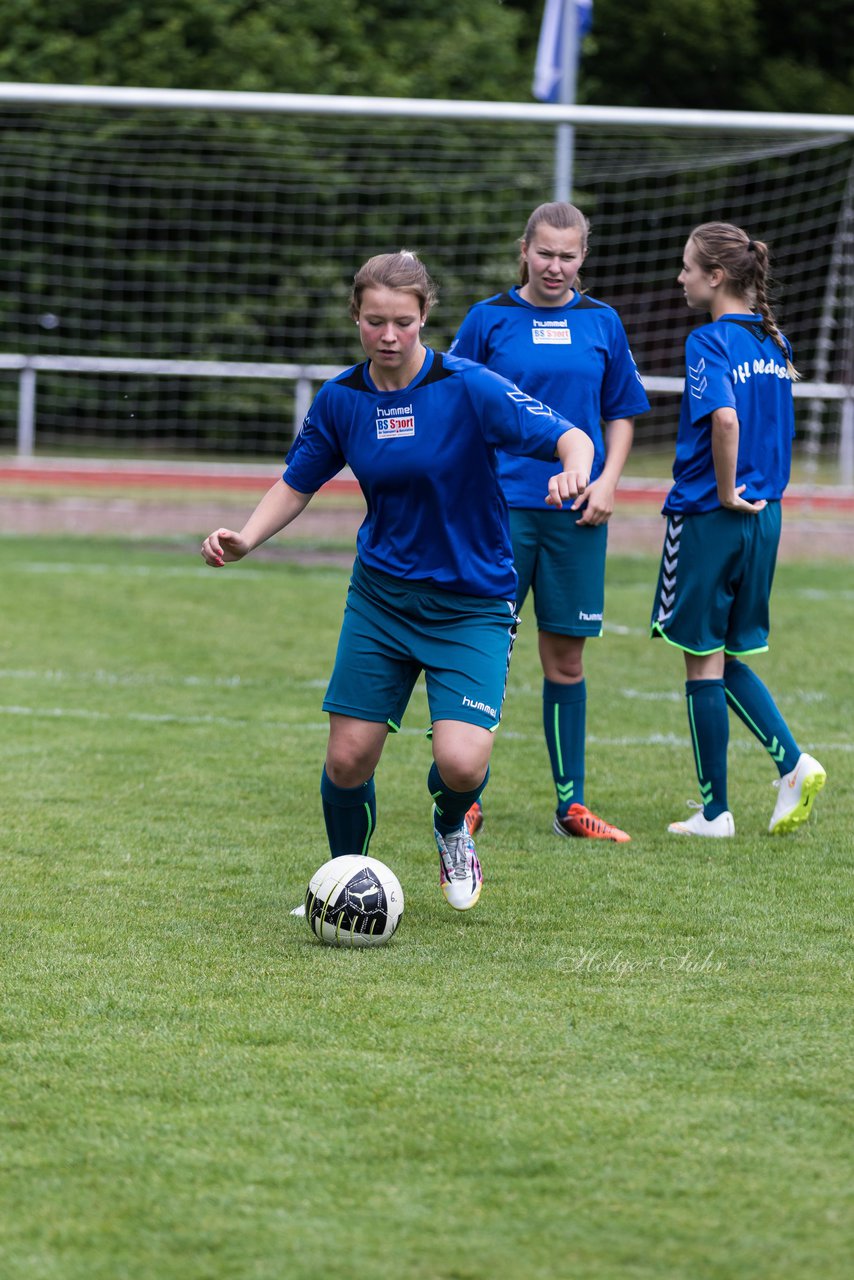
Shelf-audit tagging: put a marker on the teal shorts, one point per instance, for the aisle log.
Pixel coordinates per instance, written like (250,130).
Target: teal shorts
(394,629)
(564,564)
(714,584)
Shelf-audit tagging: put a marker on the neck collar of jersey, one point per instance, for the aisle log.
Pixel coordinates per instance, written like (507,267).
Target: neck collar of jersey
(398,391)
(564,306)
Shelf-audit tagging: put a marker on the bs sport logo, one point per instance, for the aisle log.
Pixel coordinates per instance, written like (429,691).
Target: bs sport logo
(394,423)
(551,332)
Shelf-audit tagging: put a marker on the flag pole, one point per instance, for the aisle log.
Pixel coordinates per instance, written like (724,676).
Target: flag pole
(565,142)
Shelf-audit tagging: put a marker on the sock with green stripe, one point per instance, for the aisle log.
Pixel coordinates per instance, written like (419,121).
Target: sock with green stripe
(752,703)
(708,719)
(451,806)
(350,814)
(565,721)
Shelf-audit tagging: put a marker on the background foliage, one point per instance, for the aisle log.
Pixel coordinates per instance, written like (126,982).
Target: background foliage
(778,55)
(205,236)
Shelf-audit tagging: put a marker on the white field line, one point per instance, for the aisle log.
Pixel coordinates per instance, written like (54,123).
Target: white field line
(243,572)
(321,726)
(114,680)
(140,570)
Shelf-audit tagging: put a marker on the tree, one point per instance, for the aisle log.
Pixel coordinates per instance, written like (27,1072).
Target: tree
(761,55)
(429,49)
(773,55)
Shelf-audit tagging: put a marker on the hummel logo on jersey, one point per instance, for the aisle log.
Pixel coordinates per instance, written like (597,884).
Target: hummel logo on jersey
(697,379)
(533,406)
(392,423)
(550,331)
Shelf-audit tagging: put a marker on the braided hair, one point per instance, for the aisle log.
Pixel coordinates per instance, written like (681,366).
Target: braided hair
(745,263)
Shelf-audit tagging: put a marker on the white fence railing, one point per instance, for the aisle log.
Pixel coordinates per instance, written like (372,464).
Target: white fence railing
(837,316)
(307,376)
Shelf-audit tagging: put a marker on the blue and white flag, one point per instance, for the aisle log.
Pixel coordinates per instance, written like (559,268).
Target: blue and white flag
(549,65)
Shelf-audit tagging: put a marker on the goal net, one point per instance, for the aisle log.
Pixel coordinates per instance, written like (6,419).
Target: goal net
(232,237)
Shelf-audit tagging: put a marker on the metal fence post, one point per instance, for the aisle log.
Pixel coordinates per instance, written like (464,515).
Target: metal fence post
(302,402)
(26,412)
(846,440)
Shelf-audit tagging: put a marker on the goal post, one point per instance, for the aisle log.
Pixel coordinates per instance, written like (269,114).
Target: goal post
(223,229)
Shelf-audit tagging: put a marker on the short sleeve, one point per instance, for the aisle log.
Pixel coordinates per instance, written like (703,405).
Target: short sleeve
(623,394)
(511,419)
(315,455)
(709,383)
(469,341)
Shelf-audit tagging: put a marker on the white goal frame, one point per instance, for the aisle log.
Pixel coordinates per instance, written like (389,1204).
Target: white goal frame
(306,376)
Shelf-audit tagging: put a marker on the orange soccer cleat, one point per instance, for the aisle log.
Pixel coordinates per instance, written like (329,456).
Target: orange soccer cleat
(579,821)
(474,818)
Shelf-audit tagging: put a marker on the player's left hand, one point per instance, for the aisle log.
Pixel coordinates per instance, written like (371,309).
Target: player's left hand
(599,497)
(565,486)
(735,502)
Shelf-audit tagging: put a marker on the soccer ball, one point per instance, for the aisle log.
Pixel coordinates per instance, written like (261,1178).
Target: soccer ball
(353,902)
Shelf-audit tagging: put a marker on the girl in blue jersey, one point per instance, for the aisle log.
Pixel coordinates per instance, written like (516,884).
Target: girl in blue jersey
(733,457)
(433,585)
(571,351)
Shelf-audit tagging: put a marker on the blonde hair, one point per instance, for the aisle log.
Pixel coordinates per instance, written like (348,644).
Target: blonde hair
(561,216)
(746,265)
(403,270)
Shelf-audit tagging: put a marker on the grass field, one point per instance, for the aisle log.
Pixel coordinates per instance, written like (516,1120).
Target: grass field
(629,1061)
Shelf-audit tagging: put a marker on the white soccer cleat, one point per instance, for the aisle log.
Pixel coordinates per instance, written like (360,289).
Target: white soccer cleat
(699,825)
(299,911)
(796,792)
(459,870)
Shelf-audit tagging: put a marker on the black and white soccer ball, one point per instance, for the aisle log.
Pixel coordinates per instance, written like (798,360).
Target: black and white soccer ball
(353,902)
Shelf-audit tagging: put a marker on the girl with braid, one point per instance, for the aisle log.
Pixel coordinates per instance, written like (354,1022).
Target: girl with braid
(733,458)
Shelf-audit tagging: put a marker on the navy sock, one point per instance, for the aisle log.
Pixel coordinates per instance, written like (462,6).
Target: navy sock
(350,814)
(564,721)
(451,806)
(708,719)
(753,704)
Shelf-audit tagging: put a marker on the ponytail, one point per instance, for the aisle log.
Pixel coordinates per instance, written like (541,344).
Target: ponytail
(746,265)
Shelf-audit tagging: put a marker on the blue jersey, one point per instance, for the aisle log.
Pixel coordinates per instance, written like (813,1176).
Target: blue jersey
(733,363)
(576,358)
(425,458)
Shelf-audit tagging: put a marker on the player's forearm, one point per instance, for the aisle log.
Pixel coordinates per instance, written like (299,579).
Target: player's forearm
(575,451)
(725,451)
(619,434)
(280,505)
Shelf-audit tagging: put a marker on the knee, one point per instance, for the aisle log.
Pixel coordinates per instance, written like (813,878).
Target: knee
(462,772)
(348,768)
(463,777)
(562,658)
(567,670)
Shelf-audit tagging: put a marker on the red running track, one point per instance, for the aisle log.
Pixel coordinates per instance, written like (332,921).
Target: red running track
(221,477)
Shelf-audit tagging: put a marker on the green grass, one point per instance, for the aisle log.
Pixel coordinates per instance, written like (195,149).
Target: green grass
(629,1061)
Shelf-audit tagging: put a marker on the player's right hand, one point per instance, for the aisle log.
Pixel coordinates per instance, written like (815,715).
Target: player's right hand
(223,546)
